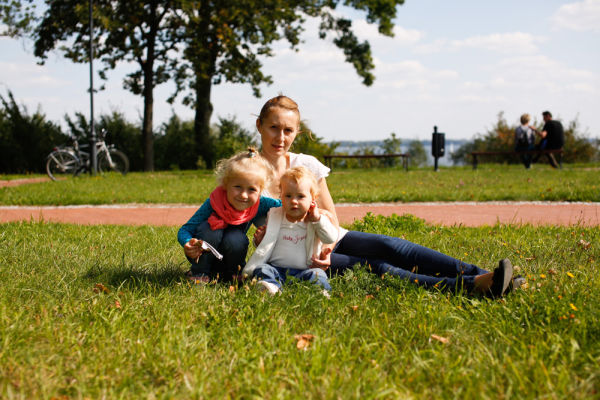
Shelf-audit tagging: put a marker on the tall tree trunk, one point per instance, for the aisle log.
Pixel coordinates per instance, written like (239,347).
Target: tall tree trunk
(204,111)
(147,134)
(148,92)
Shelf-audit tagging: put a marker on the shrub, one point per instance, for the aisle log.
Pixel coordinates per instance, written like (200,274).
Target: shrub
(25,140)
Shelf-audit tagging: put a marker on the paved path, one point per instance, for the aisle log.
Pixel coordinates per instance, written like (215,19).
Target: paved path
(458,213)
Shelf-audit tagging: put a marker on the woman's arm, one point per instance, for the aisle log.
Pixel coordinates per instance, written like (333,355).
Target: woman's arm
(325,202)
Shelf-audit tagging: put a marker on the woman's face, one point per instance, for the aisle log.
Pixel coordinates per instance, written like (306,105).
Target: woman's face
(278,131)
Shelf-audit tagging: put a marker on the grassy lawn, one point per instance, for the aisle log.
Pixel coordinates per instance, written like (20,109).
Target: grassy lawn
(104,312)
(488,182)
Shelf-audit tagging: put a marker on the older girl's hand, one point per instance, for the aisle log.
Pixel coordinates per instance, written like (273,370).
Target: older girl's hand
(324,259)
(193,248)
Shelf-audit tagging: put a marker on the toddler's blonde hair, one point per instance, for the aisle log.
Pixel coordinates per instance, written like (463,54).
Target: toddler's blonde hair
(296,174)
(242,164)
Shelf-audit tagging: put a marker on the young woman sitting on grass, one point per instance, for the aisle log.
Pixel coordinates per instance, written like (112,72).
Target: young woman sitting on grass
(278,125)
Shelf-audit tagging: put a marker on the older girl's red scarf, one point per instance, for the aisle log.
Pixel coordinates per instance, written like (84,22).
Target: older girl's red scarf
(224,214)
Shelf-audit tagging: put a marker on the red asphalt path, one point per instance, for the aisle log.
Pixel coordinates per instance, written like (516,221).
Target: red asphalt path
(458,213)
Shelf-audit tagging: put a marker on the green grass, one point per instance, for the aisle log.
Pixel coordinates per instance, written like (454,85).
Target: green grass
(151,335)
(489,182)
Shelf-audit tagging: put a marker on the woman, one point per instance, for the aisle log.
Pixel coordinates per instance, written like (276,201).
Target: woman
(278,125)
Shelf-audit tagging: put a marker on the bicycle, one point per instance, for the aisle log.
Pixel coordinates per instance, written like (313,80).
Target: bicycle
(73,160)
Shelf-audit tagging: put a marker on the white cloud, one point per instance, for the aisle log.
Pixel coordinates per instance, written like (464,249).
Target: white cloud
(402,36)
(508,43)
(580,16)
(28,75)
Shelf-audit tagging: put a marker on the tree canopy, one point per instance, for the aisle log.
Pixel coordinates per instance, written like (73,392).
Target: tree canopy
(194,43)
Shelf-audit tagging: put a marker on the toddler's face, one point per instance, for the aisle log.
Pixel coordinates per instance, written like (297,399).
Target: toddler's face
(243,191)
(295,198)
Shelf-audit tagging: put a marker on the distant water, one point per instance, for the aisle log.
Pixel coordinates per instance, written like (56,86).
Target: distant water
(451,146)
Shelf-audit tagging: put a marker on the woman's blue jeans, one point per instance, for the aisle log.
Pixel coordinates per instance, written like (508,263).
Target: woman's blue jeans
(399,257)
(231,242)
(278,275)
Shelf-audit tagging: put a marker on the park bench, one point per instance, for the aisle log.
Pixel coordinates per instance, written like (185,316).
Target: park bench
(476,154)
(405,157)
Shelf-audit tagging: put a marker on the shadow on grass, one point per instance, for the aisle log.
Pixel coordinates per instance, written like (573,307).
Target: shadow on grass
(137,277)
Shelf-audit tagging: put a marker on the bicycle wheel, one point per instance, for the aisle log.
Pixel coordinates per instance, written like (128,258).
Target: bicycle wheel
(120,162)
(60,164)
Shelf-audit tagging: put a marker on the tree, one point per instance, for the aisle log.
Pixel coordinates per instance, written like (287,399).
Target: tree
(133,31)
(224,40)
(391,145)
(416,150)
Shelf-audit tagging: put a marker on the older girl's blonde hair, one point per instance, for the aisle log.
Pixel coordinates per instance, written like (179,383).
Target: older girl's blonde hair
(242,164)
(296,174)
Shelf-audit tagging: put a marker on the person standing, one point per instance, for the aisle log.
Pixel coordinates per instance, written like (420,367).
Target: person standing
(553,137)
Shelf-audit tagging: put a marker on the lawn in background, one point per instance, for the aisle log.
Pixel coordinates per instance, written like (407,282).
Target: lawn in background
(489,182)
(105,312)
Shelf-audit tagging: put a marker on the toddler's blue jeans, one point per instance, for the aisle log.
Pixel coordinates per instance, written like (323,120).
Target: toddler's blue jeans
(278,275)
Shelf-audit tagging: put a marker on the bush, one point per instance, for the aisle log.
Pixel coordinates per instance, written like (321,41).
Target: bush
(229,137)
(416,151)
(174,146)
(25,140)
(391,145)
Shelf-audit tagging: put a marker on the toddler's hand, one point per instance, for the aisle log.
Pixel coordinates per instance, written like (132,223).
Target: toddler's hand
(259,235)
(313,214)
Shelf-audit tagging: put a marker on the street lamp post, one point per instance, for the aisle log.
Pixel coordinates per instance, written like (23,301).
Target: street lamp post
(94,166)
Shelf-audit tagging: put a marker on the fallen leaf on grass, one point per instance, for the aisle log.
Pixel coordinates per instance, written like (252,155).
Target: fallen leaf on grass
(584,245)
(354,308)
(440,339)
(369,296)
(570,275)
(100,288)
(303,341)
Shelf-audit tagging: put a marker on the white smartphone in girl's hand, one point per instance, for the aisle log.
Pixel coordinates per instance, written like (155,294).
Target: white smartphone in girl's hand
(206,246)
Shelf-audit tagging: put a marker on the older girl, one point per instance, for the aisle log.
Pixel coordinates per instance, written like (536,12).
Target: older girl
(279,124)
(223,220)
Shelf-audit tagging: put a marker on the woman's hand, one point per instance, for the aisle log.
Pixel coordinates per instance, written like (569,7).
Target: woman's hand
(324,259)
(259,235)
(193,249)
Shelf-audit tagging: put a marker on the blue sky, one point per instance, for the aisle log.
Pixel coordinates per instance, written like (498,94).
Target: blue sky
(452,64)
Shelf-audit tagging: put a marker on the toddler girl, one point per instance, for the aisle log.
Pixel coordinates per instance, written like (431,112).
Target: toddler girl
(223,220)
(293,235)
